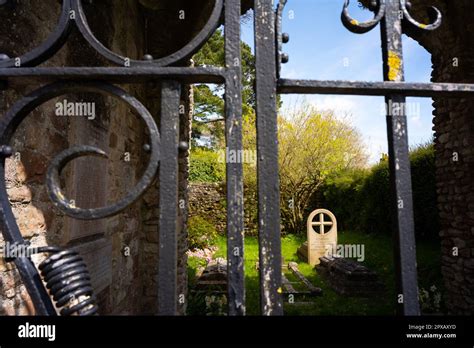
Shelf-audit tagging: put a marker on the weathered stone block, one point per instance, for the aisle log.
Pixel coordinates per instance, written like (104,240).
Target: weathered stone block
(348,277)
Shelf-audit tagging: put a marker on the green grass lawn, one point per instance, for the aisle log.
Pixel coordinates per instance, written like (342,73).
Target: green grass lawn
(378,257)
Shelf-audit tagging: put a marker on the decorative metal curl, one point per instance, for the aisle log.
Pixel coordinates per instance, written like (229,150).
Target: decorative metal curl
(357,27)
(22,108)
(177,56)
(48,48)
(406,15)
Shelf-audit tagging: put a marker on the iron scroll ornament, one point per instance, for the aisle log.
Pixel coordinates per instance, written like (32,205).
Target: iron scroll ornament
(64,271)
(379,7)
(73,12)
(357,27)
(48,48)
(72,291)
(185,52)
(353,25)
(22,108)
(406,5)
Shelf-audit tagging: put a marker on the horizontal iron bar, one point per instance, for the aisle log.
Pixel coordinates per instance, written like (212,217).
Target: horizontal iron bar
(121,74)
(287,86)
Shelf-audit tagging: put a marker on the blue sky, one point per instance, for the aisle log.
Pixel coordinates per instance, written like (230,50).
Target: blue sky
(322,48)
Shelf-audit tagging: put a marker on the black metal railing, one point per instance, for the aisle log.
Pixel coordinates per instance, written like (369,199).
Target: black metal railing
(164,144)
(163,147)
(391,14)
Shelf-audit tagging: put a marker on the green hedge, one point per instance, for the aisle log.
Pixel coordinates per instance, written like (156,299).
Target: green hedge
(201,233)
(206,166)
(360,199)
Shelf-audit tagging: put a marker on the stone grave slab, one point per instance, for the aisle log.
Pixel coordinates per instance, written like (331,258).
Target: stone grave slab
(214,276)
(349,277)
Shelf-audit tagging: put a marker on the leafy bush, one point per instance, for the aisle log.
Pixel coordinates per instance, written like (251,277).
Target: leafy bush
(430,300)
(201,233)
(312,145)
(423,170)
(375,196)
(339,194)
(361,200)
(206,166)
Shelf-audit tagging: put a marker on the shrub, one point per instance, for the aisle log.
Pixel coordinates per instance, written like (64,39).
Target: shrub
(375,196)
(205,166)
(361,200)
(201,233)
(423,171)
(312,145)
(340,193)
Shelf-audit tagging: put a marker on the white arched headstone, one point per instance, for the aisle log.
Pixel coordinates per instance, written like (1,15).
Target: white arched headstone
(322,234)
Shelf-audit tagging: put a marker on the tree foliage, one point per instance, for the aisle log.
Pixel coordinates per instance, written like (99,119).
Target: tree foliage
(209,99)
(201,233)
(206,166)
(312,145)
(362,200)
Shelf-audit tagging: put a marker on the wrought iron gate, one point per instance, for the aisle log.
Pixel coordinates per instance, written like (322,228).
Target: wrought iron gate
(164,145)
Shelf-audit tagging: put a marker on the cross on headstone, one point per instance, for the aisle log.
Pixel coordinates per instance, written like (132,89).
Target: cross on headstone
(320,242)
(321,223)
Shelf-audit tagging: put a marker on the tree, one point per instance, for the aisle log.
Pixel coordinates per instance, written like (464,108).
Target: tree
(312,145)
(208,100)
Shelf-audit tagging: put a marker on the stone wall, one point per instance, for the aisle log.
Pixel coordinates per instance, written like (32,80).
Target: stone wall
(24,174)
(208,200)
(121,251)
(451,47)
(90,182)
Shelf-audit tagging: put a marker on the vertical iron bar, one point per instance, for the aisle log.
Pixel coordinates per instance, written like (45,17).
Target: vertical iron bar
(234,171)
(168,191)
(27,270)
(267,166)
(400,176)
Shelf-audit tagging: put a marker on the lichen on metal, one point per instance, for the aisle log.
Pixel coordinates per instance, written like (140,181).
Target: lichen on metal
(394,65)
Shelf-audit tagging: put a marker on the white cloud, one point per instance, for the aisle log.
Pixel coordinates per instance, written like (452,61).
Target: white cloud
(339,104)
